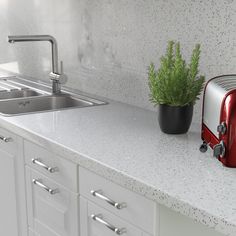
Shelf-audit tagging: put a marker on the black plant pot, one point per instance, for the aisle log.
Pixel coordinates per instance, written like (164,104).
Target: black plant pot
(175,120)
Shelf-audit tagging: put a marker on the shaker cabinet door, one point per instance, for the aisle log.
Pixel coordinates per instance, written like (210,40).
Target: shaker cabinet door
(52,209)
(13,218)
(8,205)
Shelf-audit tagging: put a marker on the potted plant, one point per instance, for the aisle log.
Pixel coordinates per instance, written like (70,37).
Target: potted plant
(175,87)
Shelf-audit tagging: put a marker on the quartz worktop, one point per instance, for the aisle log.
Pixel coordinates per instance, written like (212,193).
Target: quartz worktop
(124,144)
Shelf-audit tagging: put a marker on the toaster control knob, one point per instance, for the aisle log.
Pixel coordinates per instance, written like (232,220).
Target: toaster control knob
(219,149)
(222,128)
(203,147)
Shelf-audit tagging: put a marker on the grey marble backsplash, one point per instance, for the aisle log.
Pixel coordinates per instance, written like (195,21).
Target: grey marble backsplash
(106,45)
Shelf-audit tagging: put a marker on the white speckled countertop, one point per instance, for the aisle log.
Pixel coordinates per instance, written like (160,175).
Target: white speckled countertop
(124,144)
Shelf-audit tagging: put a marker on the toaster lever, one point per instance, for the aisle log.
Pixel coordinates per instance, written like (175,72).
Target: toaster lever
(219,149)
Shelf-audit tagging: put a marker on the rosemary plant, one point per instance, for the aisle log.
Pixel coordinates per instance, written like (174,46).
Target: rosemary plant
(176,83)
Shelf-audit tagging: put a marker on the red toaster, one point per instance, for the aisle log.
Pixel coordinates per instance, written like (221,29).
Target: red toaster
(219,118)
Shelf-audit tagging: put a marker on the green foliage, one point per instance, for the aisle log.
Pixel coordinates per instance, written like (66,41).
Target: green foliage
(175,83)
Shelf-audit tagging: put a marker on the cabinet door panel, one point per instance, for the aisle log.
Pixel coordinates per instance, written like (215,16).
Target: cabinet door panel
(51,214)
(175,224)
(13,218)
(91,227)
(32,233)
(43,230)
(8,213)
(145,234)
(11,146)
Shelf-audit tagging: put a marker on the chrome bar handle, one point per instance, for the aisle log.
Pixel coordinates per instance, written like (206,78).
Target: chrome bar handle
(99,218)
(46,188)
(99,194)
(41,164)
(6,139)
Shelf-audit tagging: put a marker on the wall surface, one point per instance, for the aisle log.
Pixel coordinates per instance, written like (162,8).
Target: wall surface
(106,45)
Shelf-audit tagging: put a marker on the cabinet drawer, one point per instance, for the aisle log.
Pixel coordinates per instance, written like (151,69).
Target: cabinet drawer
(8,141)
(91,224)
(53,166)
(52,210)
(134,208)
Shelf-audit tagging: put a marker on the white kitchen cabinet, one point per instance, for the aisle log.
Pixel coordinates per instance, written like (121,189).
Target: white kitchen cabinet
(175,224)
(32,233)
(106,207)
(52,209)
(54,205)
(145,234)
(91,224)
(13,220)
(8,205)
(134,208)
(53,166)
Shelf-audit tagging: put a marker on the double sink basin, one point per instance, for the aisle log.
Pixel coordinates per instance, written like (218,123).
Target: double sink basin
(19,96)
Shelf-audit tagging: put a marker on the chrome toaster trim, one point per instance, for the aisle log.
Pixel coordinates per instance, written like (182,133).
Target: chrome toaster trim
(215,92)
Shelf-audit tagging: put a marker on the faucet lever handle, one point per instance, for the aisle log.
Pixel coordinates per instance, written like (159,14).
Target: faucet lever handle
(62,68)
(59,78)
(63,77)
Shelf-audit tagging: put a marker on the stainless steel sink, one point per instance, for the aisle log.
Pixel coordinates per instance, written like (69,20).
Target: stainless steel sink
(23,97)
(18,94)
(38,104)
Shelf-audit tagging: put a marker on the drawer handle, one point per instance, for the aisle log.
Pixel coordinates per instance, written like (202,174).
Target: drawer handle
(46,188)
(99,218)
(41,164)
(6,139)
(99,194)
